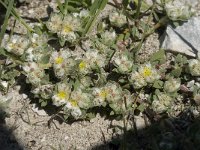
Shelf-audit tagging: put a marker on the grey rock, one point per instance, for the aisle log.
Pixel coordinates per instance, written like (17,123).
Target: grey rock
(183,39)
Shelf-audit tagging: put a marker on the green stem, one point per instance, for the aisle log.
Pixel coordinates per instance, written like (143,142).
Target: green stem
(8,12)
(17,17)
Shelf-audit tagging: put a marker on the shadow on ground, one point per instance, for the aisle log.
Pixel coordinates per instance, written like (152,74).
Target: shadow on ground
(182,133)
(7,139)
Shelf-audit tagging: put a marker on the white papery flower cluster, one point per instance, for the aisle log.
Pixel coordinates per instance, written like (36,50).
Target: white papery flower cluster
(161,103)
(72,100)
(117,19)
(91,60)
(16,44)
(108,38)
(179,10)
(65,26)
(122,62)
(172,85)
(63,62)
(38,44)
(146,74)
(111,93)
(34,73)
(194,67)
(45,91)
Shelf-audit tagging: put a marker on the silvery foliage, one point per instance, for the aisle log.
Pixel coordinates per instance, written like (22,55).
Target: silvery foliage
(79,74)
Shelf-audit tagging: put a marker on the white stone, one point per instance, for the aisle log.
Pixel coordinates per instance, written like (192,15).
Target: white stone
(5,84)
(39,112)
(183,39)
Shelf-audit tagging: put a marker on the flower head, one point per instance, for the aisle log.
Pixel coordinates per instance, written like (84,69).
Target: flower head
(162,103)
(100,95)
(172,85)
(194,67)
(117,19)
(62,95)
(55,22)
(149,73)
(113,92)
(34,73)
(122,62)
(17,45)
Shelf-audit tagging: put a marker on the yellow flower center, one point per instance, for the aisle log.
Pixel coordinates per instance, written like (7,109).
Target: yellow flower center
(59,60)
(103,94)
(62,95)
(147,72)
(74,103)
(67,29)
(82,65)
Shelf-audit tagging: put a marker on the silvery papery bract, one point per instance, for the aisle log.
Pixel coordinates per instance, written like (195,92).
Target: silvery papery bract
(172,85)
(16,44)
(122,62)
(146,74)
(196,97)
(62,95)
(124,104)
(117,19)
(161,103)
(62,62)
(34,73)
(91,60)
(149,73)
(43,91)
(113,92)
(70,25)
(54,24)
(37,47)
(137,80)
(84,99)
(64,26)
(108,38)
(194,67)
(177,9)
(99,96)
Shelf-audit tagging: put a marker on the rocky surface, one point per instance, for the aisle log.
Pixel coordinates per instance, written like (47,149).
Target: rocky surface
(183,39)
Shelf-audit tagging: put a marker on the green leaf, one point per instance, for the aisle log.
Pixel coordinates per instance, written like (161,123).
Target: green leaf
(62,41)
(158,57)
(90,115)
(44,103)
(45,59)
(76,85)
(125,3)
(158,84)
(142,107)
(176,72)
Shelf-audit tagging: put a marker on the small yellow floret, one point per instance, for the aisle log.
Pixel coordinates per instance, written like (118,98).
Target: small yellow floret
(82,65)
(147,72)
(59,60)
(103,94)
(62,95)
(74,103)
(67,29)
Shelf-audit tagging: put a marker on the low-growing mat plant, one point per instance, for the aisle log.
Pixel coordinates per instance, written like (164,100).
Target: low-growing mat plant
(94,62)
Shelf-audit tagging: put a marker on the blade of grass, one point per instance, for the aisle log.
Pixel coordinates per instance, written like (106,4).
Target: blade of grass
(17,17)
(60,6)
(138,8)
(8,12)
(95,10)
